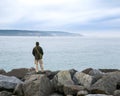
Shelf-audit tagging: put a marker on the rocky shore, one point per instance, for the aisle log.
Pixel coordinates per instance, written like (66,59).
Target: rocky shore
(89,82)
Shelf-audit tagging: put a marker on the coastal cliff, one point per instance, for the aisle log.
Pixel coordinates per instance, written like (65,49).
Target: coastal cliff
(89,82)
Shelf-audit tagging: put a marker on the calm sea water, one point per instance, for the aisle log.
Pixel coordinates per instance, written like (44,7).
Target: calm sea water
(60,53)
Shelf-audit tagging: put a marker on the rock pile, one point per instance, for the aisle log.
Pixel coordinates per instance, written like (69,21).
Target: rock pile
(89,82)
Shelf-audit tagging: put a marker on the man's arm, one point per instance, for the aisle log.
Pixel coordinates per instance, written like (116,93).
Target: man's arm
(41,50)
(33,52)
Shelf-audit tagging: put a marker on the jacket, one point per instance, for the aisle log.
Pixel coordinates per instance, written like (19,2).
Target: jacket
(36,54)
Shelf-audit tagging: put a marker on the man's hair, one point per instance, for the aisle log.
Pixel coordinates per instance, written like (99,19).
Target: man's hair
(37,43)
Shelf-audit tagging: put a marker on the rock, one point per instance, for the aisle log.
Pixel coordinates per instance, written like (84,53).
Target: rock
(117,93)
(37,87)
(97,74)
(118,85)
(82,93)
(107,83)
(72,89)
(5,93)
(19,73)
(62,78)
(108,70)
(51,74)
(56,94)
(33,77)
(86,71)
(72,72)
(8,83)
(2,71)
(19,90)
(98,95)
(84,79)
(69,95)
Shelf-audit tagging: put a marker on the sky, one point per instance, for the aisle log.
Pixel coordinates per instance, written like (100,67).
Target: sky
(61,15)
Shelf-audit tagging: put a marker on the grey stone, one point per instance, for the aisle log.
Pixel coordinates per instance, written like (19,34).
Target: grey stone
(7,82)
(84,79)
(86,71)
(82,93)
(19,73)
(2,71)
(5,93)
(19,90)
(37,87)
(97,74)
(56,94)
(62,78)
(98,95)
(117,93)
(107,83)
(72,89)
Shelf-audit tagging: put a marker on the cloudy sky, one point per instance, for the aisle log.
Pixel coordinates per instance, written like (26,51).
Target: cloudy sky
(62,15)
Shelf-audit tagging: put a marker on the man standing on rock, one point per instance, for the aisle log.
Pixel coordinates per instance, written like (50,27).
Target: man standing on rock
(38,54)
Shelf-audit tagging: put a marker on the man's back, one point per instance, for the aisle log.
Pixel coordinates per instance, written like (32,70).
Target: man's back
(37,51)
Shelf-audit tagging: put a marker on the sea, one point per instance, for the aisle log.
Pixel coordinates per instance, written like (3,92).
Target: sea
(60,53)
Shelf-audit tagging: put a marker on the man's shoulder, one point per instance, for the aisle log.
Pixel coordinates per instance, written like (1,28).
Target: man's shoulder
(34,48)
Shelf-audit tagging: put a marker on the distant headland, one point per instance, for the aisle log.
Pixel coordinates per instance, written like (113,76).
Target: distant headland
(36,33)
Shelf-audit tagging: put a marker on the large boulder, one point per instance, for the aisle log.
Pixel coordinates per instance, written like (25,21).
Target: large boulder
(84,79)
(8,83)
(61,79)
(19,73)
(37,86)
(107,84)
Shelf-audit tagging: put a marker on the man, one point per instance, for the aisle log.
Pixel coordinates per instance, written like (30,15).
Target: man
(38,54)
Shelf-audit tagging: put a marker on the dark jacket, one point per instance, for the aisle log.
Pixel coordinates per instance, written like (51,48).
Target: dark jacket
(36,54)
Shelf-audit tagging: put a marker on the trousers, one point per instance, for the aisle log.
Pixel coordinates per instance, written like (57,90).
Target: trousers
(40,61)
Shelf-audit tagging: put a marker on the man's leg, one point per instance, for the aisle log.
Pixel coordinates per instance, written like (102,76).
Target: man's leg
(36,63)
(41,65)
